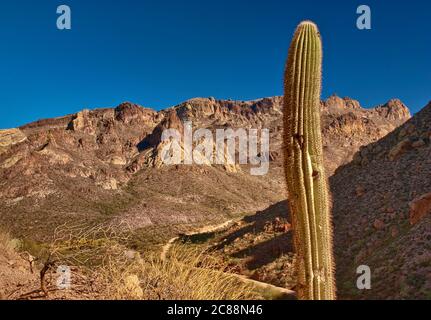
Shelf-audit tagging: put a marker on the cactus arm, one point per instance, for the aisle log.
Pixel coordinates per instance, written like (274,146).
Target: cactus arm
(305,175)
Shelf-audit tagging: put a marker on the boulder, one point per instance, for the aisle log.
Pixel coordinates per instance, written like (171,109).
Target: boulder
(419,208)
(400,149)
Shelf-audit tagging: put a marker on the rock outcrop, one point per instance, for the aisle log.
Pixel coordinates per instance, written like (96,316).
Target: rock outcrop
(10,137)
(419,208)
(394,109)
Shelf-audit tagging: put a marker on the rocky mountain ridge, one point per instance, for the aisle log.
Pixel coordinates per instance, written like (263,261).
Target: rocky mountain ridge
(104,164)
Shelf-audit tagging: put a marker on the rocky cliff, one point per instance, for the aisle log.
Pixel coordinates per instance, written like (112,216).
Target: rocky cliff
(104,164)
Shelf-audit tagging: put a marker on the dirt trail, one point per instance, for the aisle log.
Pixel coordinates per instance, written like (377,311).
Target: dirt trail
(270,289)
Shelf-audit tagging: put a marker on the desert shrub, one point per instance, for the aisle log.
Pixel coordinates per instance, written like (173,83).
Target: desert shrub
(101,253)
(81,247)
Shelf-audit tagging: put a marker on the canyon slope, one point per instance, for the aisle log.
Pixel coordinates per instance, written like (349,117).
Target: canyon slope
(382,214)
(104,166)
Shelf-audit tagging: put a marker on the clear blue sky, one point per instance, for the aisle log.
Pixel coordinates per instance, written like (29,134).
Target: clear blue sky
(160,53)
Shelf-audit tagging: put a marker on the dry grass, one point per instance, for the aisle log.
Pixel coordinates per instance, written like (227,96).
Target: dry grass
(119,273)
(80,247)
(187,274)
(86,246)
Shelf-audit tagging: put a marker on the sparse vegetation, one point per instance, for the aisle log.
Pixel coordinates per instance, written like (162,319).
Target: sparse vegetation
(187,274)
(112,271)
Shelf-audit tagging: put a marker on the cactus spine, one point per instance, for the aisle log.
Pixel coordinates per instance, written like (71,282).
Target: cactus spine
(306,180)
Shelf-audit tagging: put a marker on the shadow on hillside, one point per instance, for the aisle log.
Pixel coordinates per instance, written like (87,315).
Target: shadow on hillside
(267,251)
(144,144)
(258,221)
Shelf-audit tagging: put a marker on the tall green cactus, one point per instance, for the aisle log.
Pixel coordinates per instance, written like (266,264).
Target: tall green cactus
(306,180)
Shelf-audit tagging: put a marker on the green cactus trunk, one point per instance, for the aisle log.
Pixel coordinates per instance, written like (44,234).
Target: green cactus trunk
(305,175)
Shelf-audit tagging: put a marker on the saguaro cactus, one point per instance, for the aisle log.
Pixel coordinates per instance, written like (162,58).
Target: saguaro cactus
(306,180)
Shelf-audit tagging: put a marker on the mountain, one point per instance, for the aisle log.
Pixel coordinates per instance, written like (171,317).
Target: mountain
(104,165)
(382,213)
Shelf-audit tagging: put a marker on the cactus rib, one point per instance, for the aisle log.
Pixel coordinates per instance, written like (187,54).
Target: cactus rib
(305,175)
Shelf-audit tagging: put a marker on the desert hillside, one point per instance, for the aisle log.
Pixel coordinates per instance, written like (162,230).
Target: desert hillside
(382,206)
(103,167)
(14,272)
